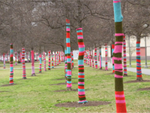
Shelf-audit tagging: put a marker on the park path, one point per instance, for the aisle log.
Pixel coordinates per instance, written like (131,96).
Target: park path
(144,71)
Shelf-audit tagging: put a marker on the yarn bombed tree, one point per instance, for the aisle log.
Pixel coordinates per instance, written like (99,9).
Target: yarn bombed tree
(40,65)
(32,60)
(52,61)
(23,63)
(124,57)
(68,52)
(81,90)
(100,58)
(138,60)
(65,64)
(119,92)
(112,58)
(106,62)
(72,59)
(96,58)
(11,65)
(49,60)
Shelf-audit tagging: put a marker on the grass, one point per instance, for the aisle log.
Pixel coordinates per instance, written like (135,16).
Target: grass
(36,95)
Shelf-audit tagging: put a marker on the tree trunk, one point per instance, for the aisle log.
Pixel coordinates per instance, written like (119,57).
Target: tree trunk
(100,58)
(69,72)
(52,61)
(40,65)
(11,65)
(32,60)
(119,92)
(23,63)
(113,58)
(106,62)
(96,58)
(124,57)
(81,90)
(138,60)
(49,60)
(65,64)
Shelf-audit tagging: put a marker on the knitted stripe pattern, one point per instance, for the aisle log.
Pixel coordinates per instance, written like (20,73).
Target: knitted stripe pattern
(113,59)
(69,71)
(23,64)
(106,62)
(124,57)
(40,64)
(117,55)
(11,65)
(81,90)
(138,60)
(49,60)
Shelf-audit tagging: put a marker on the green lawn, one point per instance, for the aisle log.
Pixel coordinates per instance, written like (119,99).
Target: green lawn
(36,95)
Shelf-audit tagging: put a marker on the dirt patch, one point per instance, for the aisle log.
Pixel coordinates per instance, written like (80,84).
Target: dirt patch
(135,81)
(65,90)
(142,89)
(62,84)
(7,85)
(3,91)
(75,104)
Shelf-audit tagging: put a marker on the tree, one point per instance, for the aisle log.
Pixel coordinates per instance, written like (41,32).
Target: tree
(119,92)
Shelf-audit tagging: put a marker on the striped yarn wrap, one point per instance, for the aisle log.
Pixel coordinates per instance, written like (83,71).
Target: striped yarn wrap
(92,59)
(15,58)
(66,64)
(117,56)
(106,61)
(55,59)
(11,65)
(96,58)
(40,64)
(44,58)
(23,64)
(32,59)
(100,58)
(52,61)
(81,90)
(49,60)
(21,57)
(138,60)
(72,59)
(124,56)
(59,57)
(4,61)
(113,68)
(68,52)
